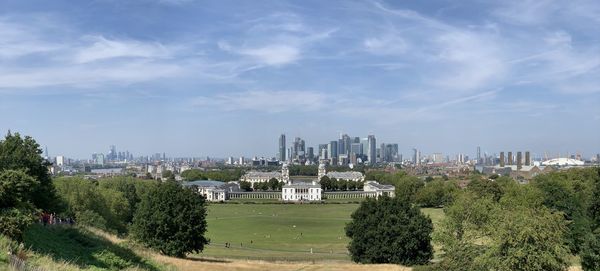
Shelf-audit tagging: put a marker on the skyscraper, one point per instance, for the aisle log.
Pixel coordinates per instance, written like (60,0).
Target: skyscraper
(502,161)
(416,157)
(281,154)
(510,159)
(347,144)
(479,155)
(371,149)
(527,159)
(519,160)
(310,153)
(332,151)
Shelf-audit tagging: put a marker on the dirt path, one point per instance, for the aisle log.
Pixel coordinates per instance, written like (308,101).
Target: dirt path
(252,265)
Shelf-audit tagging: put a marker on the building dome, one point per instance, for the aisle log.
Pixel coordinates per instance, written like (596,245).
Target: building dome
(562,162)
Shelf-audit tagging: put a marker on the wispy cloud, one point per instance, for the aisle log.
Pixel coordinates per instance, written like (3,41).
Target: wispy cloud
(265,101)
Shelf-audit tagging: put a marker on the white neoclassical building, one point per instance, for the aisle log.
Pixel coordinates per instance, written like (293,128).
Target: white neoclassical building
(301,191)
(379,189)
(346,175)
(263,176)
(213,190)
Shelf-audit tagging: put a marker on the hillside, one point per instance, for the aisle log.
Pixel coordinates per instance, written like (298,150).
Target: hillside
(74,248)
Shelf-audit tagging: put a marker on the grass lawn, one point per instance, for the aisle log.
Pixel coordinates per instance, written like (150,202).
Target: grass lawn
(282,231)
(74,248)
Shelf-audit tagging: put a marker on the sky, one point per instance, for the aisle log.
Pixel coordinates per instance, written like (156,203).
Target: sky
(226,78)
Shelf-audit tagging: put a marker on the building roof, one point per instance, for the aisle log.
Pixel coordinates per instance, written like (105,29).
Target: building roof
(345,175)
(302,185)
(563,162)
(262,174)
(380,186)
(204,183)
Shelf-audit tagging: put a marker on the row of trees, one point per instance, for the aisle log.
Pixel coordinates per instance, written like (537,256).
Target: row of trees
(225,175)
(333,184)
(491,225)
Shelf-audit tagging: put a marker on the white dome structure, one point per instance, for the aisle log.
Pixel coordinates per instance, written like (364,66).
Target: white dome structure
(562,162)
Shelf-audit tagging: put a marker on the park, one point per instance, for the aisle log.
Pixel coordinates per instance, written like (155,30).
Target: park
(282,232)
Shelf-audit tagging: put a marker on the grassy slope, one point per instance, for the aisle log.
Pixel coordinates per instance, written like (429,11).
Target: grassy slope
(271,229)
(68,248)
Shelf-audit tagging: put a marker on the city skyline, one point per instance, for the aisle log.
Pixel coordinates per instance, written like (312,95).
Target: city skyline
(224,78)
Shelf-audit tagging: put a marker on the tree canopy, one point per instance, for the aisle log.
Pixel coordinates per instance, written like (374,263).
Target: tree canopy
(389,230)
(171,219)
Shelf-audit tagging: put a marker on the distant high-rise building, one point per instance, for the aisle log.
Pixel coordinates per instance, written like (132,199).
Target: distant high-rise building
(298,149)
(323,151)
(510,159)
(416,157)
(479,155)
(112,153)
(281,154)
(382,153)
(347,144)
(437,158)
(355,148)
(332,152)
(310,153)
(502,161)
(519,160)
(372,149)
(230,160)
(241,161)
(527,159)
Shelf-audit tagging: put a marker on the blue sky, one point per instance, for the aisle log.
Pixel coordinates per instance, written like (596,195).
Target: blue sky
(220,78)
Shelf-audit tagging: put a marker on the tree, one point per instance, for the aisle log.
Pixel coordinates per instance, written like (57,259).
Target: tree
(167,174)
(172,220)
(484,187)
(273,184)
(436,193)
(325,183)
(590,253)
(18,153)
(389,230)
(246,186)
(480,233)
(342,185)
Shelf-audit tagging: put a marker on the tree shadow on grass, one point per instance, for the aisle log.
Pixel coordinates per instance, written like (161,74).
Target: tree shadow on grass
(82,248)
(206,260)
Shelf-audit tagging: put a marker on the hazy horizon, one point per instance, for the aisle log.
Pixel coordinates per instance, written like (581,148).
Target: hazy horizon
(226,78)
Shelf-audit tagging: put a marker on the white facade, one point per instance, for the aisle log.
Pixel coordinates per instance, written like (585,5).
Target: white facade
(379,189)
(212,193)
(60,161)
(301,192)
(259,176)
(346,175)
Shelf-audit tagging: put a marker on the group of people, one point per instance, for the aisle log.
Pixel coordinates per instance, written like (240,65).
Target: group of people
(53,219)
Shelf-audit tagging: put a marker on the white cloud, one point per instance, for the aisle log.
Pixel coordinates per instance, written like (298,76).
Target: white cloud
(276,54)
(265,101)
(102,48)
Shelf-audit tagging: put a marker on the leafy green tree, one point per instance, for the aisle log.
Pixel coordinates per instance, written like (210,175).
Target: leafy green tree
(168,174)
(590,253)
(407,186)
(436,193)
(24,153)
(193,174)
(172,220)
(273,184)
(325,183)
(480,233)
(342,185)
(16,189)
(389,230)
(246,186)
(484,187)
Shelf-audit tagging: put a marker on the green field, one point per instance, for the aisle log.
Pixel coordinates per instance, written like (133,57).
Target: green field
(282,231)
